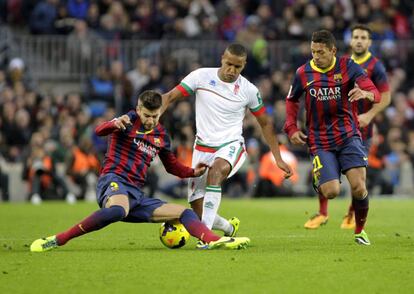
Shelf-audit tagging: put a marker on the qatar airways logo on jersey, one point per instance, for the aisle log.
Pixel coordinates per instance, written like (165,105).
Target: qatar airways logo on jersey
(144,147)
(326,94)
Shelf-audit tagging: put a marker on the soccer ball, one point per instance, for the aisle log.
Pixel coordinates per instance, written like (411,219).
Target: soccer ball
(173,235)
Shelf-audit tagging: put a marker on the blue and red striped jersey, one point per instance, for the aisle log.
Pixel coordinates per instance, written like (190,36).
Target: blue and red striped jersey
(130,153)
(378,75)
(330,117)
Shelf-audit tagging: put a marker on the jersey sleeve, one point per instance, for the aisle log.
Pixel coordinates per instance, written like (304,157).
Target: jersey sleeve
(355,71)
(132,114)
(379,77)
(171,163)
(296,88)
(189,84)
(292,104)
(255,104)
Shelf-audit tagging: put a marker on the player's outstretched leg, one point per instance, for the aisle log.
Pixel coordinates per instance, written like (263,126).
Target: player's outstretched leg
(96,221)
(211,241)
(348,222)
(320,218)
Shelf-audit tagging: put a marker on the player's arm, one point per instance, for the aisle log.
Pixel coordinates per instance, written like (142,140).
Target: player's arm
(364,87)
(171,97)
(296,90)
(173,166)
(365,119)
(379,78)
(184,89)
(271,139)
(117,124)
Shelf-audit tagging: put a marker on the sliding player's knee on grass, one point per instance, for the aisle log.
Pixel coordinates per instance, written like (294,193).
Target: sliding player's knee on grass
(119,200)
(330,189)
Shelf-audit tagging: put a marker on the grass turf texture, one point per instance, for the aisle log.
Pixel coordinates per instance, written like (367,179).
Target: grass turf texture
(283,257)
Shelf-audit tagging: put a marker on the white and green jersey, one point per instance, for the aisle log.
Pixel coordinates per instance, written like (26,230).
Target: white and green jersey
(220,106)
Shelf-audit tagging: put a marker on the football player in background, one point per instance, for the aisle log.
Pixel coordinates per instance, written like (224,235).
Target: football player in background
(360,44)
(332,87)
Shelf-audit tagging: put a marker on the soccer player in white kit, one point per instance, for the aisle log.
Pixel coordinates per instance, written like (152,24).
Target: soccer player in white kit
(221,98)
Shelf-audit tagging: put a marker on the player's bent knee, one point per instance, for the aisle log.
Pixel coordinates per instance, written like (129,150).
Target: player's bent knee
(330,191)
(359,192)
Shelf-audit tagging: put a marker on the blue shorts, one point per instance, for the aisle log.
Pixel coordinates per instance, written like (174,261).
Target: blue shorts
(328,165)
(367,144)
(141,207)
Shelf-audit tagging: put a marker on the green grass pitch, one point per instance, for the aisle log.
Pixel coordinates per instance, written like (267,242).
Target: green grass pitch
(283,257)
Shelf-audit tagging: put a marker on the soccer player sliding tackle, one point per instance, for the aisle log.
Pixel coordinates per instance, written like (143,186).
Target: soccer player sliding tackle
(135,140)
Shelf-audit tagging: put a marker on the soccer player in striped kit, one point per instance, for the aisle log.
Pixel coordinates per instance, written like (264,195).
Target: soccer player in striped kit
(332,88)
(222,96)
(136,138)
(360,43)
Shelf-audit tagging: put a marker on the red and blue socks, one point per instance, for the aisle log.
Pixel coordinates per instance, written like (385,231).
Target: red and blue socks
(361,207)
(196,228)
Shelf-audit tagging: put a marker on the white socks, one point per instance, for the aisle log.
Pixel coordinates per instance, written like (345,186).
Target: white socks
(211,204)
(222,224)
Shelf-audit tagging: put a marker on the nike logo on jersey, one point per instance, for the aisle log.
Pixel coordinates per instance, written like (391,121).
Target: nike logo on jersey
(366,158)
(309,83)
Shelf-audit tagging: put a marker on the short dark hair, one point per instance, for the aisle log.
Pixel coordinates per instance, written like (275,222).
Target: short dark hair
(324,37)
(237,49)
(150,99)
(363,27)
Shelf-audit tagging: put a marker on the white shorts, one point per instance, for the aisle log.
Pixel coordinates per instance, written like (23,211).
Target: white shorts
(234,153)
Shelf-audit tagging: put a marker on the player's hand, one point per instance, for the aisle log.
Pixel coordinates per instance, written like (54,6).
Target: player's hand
(122,122)
(356,94)
(364,119)
(200,169)
(285,167)
(298,138)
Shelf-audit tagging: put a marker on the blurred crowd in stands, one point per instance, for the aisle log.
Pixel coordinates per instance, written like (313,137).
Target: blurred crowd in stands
(42,131)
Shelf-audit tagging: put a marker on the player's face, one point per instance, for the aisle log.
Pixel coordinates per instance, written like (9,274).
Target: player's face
(360,42)
(231,67)
(322,55)
(149,118)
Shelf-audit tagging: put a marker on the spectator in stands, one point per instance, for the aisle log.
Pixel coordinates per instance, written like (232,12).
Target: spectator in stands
(84,45)
(271,181)
(78,8)
(100,92)
(64,23)
(44,182)
(82,166)
(43,17)
(122,87)
(139,75)
(18,73)
(252,32)
(92,17)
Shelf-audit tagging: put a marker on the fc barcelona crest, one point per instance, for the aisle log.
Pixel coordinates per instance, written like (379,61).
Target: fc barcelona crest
(338,78)
(157,141)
